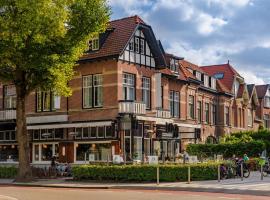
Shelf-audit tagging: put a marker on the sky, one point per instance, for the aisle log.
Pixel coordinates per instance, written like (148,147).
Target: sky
(208,32)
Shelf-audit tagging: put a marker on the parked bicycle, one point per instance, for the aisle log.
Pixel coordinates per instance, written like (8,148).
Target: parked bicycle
(233,169)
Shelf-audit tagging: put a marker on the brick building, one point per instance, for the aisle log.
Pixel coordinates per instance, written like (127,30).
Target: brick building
(131,98)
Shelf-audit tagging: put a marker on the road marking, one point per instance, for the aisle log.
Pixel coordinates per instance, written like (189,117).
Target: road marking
(227,198)
(3,197)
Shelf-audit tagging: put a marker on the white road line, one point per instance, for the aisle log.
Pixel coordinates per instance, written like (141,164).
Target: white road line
(3,197)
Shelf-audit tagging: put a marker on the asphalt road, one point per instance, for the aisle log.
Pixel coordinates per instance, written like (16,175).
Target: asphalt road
(29,193)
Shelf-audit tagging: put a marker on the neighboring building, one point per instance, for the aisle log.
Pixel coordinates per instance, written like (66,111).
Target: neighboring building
(263,111)
(129,98)
(241,111)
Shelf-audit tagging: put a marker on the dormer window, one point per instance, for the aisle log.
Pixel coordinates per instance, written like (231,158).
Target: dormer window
(206,81)
(219,75)
(94,44)
(174,66)
(199,76)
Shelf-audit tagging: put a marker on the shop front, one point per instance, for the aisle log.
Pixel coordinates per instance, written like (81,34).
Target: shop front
(167,144)
(8,143)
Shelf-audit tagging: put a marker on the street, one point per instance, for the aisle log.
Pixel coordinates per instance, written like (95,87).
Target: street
(32,193)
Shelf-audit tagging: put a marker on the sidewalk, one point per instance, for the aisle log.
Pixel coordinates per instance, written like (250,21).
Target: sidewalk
(250,186)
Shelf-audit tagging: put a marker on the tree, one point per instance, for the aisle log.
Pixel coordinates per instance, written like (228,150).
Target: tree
(40,42)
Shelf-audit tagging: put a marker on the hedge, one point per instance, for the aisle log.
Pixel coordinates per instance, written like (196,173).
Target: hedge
(252,148)
(8,172)
(145,173)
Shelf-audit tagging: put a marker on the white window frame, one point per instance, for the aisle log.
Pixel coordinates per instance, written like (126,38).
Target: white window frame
(146,91)
(129,86)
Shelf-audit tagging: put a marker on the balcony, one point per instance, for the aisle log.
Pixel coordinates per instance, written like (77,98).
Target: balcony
(163,113)
(132,107)
(7,115)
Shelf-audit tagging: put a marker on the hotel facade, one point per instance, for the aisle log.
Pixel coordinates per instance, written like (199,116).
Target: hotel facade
(131,98)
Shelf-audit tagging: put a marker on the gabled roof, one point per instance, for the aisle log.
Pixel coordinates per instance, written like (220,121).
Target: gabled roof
(119,33)
(192,66)
(252,93)
(250,89)
(261,90)
(117,36)
(229,73)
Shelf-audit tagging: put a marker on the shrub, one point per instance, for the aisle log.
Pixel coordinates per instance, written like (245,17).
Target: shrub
(8,172)
(145,173)
(252,148)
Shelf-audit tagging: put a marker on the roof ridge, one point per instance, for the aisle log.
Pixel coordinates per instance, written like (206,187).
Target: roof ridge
(138,19)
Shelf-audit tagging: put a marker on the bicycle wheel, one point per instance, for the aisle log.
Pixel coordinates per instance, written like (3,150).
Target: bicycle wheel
(246,173)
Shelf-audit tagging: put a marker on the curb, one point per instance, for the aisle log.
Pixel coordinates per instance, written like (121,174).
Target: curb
(160,188)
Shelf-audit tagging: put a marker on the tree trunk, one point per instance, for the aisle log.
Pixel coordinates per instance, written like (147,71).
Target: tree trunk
(24,173)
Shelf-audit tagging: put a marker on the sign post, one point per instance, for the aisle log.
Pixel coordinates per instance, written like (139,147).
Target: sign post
(218,173)
(153,160)
(188,174)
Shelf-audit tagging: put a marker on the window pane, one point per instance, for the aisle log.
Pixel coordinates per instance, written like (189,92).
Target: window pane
(101,131)
(46,152)
(2,137)
(85,132)
(46,101)
(36,152)
(87,91)
(79,133)
(59,133)
(39,101)
(93,131)
(109,131)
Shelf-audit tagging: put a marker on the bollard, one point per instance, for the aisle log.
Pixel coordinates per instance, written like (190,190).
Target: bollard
(188,174)
(261,172)
(218,173)
(242,172)
(157,174)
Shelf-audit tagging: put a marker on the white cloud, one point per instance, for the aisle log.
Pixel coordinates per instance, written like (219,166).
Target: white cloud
(229,3)
(208,24)
(251,78)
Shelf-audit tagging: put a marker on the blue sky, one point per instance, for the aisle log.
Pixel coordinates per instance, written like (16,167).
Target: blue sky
(210,31)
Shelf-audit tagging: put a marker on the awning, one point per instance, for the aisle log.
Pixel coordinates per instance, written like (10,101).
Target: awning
(71,125)
(164,121)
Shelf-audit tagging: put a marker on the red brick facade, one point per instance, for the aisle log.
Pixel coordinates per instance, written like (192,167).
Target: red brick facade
(203,104)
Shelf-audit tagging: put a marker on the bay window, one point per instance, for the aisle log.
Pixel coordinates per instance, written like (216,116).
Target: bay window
(250,118)
(92,91)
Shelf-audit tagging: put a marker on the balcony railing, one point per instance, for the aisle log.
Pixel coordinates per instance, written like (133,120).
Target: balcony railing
(163,113)
(7,115)
(131,107)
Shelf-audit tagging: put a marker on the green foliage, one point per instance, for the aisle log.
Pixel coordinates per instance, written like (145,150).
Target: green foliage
(8,172)
(40,41)
(252,148)
(138,173)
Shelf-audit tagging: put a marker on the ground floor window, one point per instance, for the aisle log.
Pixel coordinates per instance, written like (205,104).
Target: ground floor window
(137,155)
(9,153)
(44,152)
(147,146)
(90,152)
(166,149)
